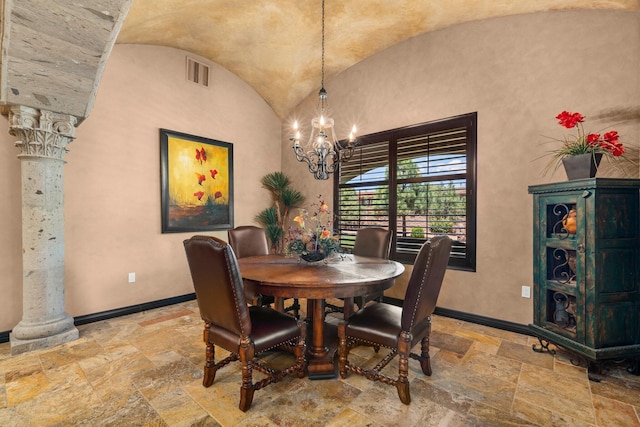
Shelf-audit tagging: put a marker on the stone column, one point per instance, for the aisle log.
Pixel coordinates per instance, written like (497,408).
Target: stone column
(43,137)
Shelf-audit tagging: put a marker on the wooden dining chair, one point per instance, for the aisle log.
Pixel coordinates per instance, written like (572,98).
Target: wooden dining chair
(372,242)
(249,240)
(244,331)
(399,328)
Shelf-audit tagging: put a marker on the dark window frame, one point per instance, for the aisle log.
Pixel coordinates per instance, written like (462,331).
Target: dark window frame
(463,253)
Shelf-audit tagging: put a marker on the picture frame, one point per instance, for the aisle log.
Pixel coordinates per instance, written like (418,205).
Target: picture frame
(196,179)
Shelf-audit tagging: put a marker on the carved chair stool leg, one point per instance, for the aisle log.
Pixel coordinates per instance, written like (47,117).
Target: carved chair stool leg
(300,351)
(209,366)
(246,398)
(296,309)
(247,388)
(425,360)
(404,351)
(343,351)
(403,382)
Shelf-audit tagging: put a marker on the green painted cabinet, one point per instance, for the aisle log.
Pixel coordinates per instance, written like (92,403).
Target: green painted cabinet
(586,268)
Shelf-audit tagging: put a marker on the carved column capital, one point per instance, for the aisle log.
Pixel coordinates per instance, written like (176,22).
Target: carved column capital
(42,133)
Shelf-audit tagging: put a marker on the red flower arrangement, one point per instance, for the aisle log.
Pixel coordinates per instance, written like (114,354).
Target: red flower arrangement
(606,144)
(592,142)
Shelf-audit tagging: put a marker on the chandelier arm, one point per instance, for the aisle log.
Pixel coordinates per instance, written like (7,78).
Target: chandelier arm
(346,154)
(307,157)
(317,168)
(302,156)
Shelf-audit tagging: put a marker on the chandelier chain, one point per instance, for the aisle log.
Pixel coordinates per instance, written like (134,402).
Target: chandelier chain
(324,152)
(322,83)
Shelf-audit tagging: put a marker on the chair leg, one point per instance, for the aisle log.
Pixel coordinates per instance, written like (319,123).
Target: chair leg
(348,307)
(209,365)
(300,352)
(257,300)
(402,384)
(296,308)
(425,360)
(247,388)
(359,302)
(403,391)
(343,351)
(246,398)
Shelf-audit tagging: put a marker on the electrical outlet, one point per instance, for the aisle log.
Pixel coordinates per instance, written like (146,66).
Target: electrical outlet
(526,292)
(132,277)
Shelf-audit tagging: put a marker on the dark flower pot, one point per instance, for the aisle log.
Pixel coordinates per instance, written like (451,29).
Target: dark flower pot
(581,166)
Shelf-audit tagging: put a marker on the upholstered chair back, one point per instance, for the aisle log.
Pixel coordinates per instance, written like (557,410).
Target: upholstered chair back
(425,282)
(248,240)
(218,285)
(373,242)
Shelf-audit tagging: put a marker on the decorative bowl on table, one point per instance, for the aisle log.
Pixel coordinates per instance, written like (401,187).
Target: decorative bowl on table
(313,256)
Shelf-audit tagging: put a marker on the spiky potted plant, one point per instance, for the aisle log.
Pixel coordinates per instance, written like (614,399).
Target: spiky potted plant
(275,217)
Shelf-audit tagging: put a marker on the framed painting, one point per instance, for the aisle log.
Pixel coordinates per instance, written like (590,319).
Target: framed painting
(196,183)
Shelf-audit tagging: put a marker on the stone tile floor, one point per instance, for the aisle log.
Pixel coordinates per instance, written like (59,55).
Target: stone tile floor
(146,370)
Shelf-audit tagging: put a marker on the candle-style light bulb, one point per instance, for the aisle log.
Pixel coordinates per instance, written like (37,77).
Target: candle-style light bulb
(352,134)
(322,120)
(296,136)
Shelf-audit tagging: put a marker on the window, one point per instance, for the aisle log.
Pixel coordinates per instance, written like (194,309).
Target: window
(417,181)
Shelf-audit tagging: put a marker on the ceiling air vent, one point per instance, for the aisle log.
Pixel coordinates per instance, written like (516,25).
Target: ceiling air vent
(197,72)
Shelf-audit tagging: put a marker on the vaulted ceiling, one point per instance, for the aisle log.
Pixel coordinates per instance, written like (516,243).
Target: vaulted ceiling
(54,51)
(275,45)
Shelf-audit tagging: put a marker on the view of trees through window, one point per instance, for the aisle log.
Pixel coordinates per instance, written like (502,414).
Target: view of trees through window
(418,182)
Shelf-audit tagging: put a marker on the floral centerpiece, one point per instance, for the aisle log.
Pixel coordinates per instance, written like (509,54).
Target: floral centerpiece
(586,144)
(313,239)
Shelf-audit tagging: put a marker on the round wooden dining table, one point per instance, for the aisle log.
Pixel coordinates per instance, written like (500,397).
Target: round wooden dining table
(340,276)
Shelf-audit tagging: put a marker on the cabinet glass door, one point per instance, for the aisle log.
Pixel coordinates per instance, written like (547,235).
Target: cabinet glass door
(561,267)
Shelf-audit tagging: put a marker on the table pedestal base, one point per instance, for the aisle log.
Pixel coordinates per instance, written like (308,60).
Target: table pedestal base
(325,366)
(322,339)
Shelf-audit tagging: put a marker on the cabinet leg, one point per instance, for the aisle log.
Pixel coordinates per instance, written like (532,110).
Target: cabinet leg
(634,366)
(594,371)
(544,346)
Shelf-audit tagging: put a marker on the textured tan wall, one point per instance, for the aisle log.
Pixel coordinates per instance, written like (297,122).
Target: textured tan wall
(112,180)
(518,73)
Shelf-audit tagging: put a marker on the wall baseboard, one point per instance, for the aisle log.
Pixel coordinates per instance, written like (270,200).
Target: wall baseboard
(445,312)
(505,325)
(110,314)
(474,318)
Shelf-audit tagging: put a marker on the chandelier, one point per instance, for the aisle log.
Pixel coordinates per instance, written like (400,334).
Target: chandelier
(323,152)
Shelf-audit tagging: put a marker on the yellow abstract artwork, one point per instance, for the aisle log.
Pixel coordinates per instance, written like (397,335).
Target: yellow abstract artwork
(197,183)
